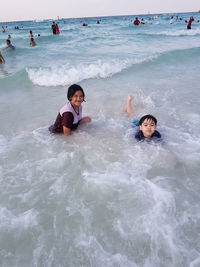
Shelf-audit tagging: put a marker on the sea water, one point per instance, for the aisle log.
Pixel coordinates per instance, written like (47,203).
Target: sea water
(97,197)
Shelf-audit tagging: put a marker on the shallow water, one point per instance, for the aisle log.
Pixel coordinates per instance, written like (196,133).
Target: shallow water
(98,198)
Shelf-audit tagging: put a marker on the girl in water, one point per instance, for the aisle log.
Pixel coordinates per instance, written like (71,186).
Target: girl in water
(70,115)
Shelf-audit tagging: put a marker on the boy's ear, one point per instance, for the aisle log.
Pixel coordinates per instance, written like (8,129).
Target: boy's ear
(140,127)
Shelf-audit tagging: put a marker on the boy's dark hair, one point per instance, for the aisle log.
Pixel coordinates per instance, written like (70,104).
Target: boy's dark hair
(148,117)
(8,41)
(73,89)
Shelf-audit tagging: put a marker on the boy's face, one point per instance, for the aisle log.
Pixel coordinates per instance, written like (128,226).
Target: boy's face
(148,127)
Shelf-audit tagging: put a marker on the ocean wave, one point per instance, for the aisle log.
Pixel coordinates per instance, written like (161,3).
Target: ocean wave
(62,75)
(66,74)
(178,55)
(170,32)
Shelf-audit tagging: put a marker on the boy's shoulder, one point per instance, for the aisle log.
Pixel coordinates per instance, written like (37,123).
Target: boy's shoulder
(155,136)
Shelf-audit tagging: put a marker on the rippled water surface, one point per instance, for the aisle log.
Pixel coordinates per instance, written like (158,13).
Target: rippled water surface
(97,197)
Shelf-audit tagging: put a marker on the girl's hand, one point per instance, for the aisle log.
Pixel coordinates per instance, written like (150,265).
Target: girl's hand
(85,120)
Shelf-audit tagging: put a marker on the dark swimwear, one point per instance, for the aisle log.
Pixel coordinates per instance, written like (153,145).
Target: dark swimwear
(156,136)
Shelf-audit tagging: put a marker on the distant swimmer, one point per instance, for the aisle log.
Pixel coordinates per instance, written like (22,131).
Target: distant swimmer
(31,34)
(136,22)
(147,125)
(2,60)
(9,45)
(171,20)
(3,29)
(53,27)
(143,21)
(32,42)
(57,29)
(9,36)
(84,24)
(70,115)
(189,24)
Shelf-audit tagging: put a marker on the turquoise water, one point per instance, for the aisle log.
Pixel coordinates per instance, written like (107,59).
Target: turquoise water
(97,198)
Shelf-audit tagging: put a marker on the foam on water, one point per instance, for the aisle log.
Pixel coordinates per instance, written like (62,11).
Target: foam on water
(97,197)
(64,75)
(178,33)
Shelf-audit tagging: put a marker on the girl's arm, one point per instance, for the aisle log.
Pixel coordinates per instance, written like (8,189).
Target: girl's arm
(66,131)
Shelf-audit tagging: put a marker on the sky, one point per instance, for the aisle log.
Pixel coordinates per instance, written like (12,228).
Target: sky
(45,9)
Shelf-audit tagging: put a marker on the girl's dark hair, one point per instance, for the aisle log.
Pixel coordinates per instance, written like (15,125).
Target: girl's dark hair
(73,89)
(148,117)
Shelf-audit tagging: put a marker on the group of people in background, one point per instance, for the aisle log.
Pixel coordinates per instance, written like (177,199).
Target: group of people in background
(32,42)
(55,30)
(10,46)
(137,22)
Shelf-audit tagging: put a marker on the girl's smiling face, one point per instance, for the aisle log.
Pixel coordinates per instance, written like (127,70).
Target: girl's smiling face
(77,99)
(148,127)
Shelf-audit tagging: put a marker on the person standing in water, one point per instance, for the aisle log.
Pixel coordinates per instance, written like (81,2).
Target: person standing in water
(171,20)
(189,24)
(53,27)
(57,29)
(32,42)
(70,115)
(31,34)
(136,22)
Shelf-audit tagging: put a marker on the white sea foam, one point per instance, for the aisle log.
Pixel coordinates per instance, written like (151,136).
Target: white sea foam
(66,74)
(173,32)
(23,220)
(3,144)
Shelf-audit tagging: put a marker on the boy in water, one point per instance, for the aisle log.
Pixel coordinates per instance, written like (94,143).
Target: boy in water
(147,124)
(9,45)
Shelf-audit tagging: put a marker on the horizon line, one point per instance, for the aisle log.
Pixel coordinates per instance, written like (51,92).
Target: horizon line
(123,15)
